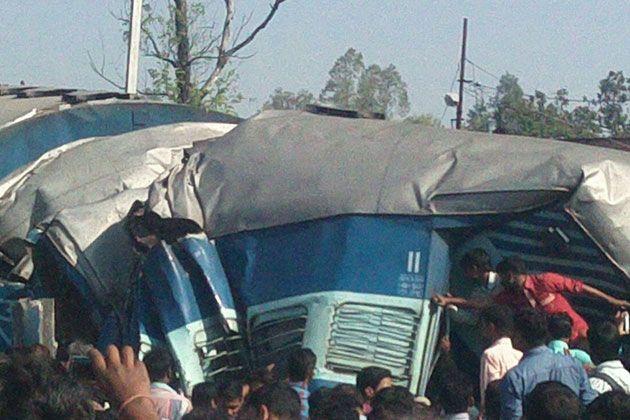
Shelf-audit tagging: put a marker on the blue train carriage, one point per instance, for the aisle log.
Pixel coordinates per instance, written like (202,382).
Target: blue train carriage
(355,289)
(335,232)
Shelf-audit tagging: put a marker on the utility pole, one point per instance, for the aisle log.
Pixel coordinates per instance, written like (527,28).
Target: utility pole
(462,64)
(133,52)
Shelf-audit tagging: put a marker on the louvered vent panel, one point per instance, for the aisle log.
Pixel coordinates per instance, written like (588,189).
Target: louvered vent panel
(366,335)
(275,333)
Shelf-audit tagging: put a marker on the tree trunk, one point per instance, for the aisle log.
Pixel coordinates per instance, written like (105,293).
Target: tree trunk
(182,72)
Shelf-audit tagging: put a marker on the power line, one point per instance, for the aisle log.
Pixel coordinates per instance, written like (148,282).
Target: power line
(554,97)
(483,70)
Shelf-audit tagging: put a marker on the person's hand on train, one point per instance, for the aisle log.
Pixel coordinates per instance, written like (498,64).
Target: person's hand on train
(126,379)
(440,300)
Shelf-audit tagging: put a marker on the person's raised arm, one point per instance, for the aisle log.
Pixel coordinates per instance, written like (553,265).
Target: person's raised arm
(554,282)
(126,379)
(444,300)
(592,291)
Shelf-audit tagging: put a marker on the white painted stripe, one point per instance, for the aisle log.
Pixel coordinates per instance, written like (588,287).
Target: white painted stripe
(562,262)
(593,252)
(573,233)
(416,268)
(410,262)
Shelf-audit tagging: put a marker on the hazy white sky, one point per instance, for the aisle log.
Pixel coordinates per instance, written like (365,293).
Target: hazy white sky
(547,44)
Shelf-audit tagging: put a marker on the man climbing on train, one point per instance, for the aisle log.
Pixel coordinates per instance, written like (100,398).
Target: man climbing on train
(542,291)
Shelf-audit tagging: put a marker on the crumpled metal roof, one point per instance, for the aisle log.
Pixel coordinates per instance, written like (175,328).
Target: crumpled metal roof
(286,167)
(88,171)
(18,103)
(21,102)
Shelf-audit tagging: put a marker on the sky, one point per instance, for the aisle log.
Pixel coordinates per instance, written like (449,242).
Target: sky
(546,44)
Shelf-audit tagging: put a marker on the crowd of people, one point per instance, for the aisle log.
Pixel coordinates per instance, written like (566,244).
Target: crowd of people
(541,360)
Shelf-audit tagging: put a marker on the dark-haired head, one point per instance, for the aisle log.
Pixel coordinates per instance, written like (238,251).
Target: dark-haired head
(613,405)
(510,270)
(604,341)
(278,400)
(456,394)
(318,402)
(204,395)
(372,379)
(530,329)
(159,363)
(560,326)
(301,365)
(553,401)
(339,403)
(497,321)
(230,397)
(262,376)
(393,403)
(476,263)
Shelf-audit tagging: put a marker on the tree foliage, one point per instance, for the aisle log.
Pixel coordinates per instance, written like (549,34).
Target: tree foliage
(355,86)
(283,99)
(190,50)
(510,111)
(427,120)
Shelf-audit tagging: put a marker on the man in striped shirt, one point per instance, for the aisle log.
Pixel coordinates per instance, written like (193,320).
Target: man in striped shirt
(301,368)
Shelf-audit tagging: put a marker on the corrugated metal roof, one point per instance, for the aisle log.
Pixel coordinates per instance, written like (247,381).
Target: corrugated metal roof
(21,102)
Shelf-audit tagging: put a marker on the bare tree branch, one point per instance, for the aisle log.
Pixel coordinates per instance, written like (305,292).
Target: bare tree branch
(223,58)
(202,57)
(244,22)
(101,71)
(156,49)
(224,54)
(250,38)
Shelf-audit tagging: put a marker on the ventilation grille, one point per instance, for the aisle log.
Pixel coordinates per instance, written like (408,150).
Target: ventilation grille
(275,333)
(366,335)
(221,356)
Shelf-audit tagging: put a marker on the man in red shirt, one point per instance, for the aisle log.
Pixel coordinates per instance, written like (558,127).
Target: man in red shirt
(542,291)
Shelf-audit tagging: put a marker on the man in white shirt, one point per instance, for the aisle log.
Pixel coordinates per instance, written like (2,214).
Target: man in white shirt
(496,360)
(169,404)
(609,374)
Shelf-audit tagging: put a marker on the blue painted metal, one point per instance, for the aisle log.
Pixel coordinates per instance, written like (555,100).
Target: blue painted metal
(360,254)
(97,312)
(26,141)
(200,256)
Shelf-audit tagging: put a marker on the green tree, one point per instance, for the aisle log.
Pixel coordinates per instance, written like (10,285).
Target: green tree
(427,120)
(352,85)
(510,111)
(283,99)
(612,100)
(584,122)
(342,85)
(480,117)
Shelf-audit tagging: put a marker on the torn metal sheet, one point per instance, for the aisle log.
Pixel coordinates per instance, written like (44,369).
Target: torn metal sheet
(88,171)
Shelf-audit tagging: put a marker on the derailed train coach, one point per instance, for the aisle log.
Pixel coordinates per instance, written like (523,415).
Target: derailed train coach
(295,229)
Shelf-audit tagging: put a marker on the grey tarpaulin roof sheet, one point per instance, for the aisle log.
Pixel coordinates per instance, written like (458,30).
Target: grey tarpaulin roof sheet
(285,167)
(91,170)
(93,239)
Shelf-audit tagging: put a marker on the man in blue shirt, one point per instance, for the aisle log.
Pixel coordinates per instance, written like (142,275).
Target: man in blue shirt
(539,364)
